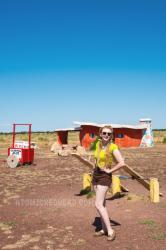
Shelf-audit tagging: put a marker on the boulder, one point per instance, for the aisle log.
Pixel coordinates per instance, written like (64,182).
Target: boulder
(55,147)
(81,150)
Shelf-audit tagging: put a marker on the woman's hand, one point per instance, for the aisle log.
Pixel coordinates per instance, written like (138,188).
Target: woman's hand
(107,170)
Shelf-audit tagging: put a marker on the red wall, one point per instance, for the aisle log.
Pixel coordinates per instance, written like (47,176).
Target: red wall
(85,140)
(131,137)
(62,137)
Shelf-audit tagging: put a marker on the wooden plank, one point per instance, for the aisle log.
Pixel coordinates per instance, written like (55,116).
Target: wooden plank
(83,160)
(92,166)
(128,169)
(138,177)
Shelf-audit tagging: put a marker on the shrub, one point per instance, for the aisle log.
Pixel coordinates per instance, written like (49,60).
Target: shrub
(164,140)
(2,139)
(42,138)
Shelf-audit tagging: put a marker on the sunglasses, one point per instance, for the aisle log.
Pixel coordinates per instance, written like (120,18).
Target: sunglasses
(106,133)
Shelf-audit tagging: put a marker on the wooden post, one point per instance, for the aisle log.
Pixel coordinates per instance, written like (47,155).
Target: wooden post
(138,177)
(87,180)
(115,184)
(154,190)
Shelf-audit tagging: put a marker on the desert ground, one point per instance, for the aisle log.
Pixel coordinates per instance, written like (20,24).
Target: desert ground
(41,206)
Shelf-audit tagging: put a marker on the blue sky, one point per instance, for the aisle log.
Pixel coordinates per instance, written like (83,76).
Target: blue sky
(99,61)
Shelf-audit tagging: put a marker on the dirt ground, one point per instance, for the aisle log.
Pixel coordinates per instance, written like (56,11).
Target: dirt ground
(41,207)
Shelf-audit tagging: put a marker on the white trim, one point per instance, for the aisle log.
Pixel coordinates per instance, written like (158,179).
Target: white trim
(140,126)
(145,120)
(67,129)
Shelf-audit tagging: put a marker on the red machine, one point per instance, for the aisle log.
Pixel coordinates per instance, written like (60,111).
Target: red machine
(20,154)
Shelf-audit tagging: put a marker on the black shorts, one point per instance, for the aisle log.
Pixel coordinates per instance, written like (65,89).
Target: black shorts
(101,178)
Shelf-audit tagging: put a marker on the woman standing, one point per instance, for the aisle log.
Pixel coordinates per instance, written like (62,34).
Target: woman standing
(105,151)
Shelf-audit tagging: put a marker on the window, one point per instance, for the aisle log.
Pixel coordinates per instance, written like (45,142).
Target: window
(92,135)
(120,135)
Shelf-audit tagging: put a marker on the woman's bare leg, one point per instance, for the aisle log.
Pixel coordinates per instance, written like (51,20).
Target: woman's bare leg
(104,229)
(99,203)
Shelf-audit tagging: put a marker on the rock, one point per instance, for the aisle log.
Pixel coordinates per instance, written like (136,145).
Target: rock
(55,147)
(64,152)
(81,150)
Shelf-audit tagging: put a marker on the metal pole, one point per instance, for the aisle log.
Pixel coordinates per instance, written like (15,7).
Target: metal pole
(14,128)
(29,141)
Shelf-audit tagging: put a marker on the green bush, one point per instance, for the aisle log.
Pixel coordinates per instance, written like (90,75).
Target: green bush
(42,138)
(2,139)
(164,140)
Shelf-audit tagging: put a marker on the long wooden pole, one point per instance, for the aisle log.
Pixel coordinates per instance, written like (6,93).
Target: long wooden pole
(138,177)
(128,169)
(92,166)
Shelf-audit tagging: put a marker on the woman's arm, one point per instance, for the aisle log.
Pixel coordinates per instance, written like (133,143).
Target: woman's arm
(120,162)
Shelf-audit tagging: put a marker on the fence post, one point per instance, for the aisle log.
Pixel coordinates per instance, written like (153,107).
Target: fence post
(87,180)
(115,184)
(154,190)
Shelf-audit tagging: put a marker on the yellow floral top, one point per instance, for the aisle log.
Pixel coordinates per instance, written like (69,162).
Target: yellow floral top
(101,154)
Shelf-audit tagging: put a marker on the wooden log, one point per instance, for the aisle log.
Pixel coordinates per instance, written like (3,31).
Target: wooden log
(92,166)
(138,177)
(83,160)
(128,169)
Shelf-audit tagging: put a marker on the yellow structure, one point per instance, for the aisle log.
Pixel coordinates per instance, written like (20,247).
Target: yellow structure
(116,188)
(154,190)
(87,180)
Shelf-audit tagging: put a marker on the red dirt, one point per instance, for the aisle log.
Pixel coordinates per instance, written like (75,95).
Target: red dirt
(40,207)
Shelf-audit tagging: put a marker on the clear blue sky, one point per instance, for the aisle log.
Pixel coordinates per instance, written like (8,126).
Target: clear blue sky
(99,61)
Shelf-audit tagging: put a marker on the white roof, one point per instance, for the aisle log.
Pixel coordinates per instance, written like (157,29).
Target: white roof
(145,120)
(139,126)
(67,129)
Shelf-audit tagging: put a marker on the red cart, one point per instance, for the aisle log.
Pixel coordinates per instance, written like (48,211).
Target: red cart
(20,155)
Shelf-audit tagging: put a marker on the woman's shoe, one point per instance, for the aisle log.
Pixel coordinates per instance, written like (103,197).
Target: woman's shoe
(112,236)
(99,233)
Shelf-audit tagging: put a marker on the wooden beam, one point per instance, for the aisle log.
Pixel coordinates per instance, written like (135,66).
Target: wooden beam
(138,177)
(128,169)
(83,160)
(92,166)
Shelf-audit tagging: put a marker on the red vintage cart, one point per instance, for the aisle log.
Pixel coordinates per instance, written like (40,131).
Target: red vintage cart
(22,154)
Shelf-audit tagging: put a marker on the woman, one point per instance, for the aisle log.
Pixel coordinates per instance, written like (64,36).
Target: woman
(105,151)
